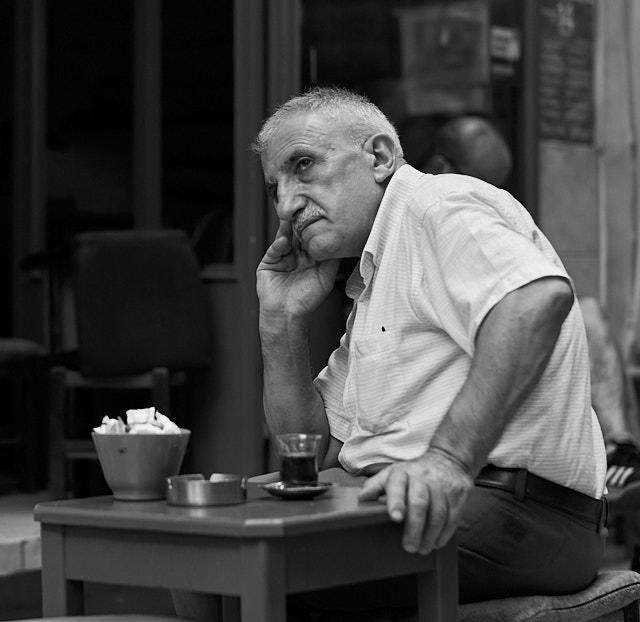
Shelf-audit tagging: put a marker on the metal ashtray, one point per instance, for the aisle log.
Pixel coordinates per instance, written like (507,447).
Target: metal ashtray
(194,490)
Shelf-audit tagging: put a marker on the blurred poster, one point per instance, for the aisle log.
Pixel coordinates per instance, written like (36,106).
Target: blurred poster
(566,70)
(444,57)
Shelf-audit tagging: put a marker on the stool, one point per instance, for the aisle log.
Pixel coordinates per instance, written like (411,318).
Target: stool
(614,596)
(22,364)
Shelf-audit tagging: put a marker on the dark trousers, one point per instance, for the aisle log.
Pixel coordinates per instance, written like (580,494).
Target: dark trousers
(516,548)
(506,548)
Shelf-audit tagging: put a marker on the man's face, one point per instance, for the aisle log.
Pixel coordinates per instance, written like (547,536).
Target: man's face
(323,185)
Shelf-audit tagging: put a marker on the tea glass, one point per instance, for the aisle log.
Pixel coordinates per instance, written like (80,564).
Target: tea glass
(298,457)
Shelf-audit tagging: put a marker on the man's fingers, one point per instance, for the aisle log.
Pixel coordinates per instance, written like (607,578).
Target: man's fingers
(285,228)
(279,248)
(418,501)
(397,483)
(387,482)
(455,509)
(281,245)
(373,487)
(436,523)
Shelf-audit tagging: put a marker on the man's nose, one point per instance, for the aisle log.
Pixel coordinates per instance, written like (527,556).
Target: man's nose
(290,201)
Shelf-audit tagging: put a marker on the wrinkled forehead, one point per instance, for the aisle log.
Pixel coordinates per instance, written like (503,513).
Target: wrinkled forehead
(301,133)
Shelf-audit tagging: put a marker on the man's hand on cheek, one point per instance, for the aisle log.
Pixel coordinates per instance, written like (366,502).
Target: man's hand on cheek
(427,494)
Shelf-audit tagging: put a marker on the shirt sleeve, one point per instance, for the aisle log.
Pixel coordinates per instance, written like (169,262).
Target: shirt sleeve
(482,250)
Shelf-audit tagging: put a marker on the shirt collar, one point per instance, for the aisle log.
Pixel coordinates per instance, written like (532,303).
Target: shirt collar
(390,211)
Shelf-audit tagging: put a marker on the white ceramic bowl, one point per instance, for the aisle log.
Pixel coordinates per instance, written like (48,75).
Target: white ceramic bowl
(136,466)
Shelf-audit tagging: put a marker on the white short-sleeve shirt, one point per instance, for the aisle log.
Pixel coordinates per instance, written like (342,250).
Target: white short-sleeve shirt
(442,252)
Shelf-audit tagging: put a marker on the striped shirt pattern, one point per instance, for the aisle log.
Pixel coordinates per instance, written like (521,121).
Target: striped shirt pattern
(442,252)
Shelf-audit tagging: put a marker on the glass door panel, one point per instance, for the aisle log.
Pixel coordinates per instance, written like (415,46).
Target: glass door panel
(418,60)
(89,138)
(197,124)
(421,61)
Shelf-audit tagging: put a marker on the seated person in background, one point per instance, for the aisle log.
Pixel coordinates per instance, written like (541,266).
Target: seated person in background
(470,145)
(614,400)
(473,146)
(464,363)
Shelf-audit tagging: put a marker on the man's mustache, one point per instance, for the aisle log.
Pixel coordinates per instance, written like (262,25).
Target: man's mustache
(309,213)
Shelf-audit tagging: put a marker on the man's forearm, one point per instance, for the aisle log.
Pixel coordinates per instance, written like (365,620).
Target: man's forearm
(513,348)
(291,402)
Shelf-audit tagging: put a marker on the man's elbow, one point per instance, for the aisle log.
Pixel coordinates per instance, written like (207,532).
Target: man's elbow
(560,298)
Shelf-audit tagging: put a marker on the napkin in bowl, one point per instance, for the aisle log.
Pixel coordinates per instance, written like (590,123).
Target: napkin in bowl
(139,421)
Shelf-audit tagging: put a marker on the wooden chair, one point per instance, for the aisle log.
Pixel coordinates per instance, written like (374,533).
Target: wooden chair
(142,322)
(22,366)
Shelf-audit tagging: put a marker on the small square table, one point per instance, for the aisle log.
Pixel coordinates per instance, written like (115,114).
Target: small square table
(258,551)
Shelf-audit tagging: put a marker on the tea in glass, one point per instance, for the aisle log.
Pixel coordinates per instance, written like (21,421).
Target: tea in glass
(298,457)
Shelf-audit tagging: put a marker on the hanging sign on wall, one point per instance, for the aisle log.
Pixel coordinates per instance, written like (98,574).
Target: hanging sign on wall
(565,70)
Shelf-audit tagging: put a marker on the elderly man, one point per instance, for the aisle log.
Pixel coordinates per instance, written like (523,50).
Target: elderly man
(461,386)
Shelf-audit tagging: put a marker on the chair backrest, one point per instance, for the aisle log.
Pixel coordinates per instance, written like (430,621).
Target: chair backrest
(139,302)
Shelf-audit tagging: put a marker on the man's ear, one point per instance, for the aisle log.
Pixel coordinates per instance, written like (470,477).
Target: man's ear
(437,164)
(383,150)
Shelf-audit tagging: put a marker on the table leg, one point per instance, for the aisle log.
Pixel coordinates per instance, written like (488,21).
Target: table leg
(60,597)
(438,589)
(263,597)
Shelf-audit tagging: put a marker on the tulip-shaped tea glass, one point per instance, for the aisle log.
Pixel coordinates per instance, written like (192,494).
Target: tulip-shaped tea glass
(298,457)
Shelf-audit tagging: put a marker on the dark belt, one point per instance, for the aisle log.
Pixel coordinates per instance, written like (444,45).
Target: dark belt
(525,485)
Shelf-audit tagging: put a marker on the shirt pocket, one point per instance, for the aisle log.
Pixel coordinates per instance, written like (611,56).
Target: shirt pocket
(376,379)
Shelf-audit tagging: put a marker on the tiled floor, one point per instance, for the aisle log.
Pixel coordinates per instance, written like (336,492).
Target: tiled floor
(20,596)
(20,562)
(19,533)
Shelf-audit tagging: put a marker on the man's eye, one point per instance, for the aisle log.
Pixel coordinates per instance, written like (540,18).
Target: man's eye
(303,164)
(272,191)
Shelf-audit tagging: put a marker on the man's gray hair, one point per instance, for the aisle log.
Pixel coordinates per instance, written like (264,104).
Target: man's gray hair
(357,114)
